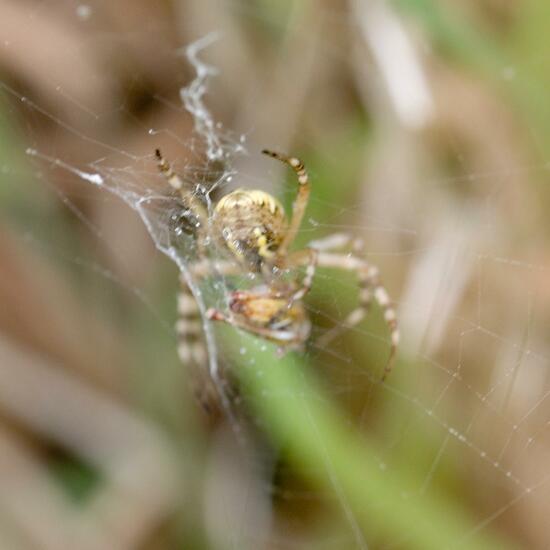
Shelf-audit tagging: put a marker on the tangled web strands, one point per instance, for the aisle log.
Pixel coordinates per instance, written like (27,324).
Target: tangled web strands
(214,150)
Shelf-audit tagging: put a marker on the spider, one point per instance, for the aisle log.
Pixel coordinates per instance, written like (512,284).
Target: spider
(251,227)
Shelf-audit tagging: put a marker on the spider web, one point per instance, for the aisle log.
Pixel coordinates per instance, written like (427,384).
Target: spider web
(139,186)
(471,303)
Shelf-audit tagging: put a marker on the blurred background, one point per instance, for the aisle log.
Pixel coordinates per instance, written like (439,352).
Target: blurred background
(425,127)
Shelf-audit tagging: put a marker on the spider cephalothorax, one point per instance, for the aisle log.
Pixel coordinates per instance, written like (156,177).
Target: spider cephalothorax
(250,225)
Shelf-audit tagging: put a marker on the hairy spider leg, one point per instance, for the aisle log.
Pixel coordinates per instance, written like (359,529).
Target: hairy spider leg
(370,286)
(300,203)
(369,283)
(333,242)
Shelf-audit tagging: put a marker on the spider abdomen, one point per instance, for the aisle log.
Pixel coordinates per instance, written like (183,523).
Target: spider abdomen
(252,225)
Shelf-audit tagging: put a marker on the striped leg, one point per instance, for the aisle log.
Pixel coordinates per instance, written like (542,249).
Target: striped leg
(166,170)
(194,210)
(300,203)
(307,257)
(369,286)
(192,349)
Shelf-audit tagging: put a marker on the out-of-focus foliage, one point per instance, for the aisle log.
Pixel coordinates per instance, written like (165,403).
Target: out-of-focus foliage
(100,439)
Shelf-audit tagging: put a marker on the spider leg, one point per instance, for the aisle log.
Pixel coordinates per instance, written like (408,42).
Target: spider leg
(300,203)
(369,286)
(192,349)
(307,257)
(337,241)
(188,196)
(166,170)
(332,242)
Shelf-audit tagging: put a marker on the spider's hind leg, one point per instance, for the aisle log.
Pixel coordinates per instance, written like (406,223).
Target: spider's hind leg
(191,347)
(370,286)
(193,353)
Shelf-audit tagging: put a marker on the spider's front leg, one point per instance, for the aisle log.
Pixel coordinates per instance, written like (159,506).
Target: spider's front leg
(300,203)
(194,211)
